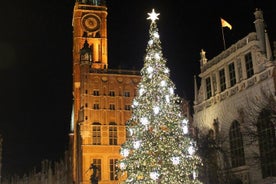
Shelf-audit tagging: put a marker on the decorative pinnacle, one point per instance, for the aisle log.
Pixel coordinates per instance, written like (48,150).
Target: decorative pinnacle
(153,16)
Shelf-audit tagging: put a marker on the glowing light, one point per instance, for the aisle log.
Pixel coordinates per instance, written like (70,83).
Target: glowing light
(122,166)
(163,83)
(175,160)
(153,16)
(157,56)
(125,152)
(141,91)
(185,129)
(154,175)
(156,109)
(149,69)
(166,70)
(137,144)
(167,98)
(194,175)
(191,150)
(150,42)
(156,35)
(130,131)
(185,121)
(135,103)
(171,90)
(144,121)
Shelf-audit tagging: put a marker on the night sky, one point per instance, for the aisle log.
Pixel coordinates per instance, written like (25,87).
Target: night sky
(36,60)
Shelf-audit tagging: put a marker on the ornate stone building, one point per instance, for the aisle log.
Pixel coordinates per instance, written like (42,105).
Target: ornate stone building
(235,105)
(102,97)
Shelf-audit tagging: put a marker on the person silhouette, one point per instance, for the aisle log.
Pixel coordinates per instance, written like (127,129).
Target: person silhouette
(94,178)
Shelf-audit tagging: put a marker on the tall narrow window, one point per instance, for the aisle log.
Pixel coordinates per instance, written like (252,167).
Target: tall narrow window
(113,133)
(96,133)
(249,65)
(112,106)
(127,94)
(267,144)
(127,107)
(96,106)
(96,93)
(98,164)
(112,165)
(236,145)
(208,88)
(232,74)
(222,80)
(111,93)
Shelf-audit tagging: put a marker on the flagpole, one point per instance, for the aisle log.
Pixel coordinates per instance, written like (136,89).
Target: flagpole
(223,38)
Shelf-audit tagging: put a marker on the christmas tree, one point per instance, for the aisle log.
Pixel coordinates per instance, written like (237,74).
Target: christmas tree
(158,149)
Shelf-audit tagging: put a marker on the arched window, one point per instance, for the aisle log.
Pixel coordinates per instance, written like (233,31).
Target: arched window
(267,144)
(236,145)
(113,133)
(96,133)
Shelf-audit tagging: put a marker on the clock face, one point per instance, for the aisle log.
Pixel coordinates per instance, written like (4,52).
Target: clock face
(90,22)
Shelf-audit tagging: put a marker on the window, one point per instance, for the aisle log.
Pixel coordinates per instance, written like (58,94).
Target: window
(208,87)
(96,106)
(236,145)
(96,93)
(222,80)
(249,65)
(86,91)
(127,94)
(97,163)
(232,74)
(111,93)
(96,133)
(112,106)
(267,144)
(127,107)
(112,133)
(113,168)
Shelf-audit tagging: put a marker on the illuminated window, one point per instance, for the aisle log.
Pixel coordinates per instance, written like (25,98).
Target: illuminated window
(208,87)
(249,65)
(232,74)
(236,145)
(97,163)
(113,168)
(113,133)
(96,133)
(267,144)
(222,80)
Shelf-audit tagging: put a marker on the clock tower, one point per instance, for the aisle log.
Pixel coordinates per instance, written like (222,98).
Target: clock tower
(102,98)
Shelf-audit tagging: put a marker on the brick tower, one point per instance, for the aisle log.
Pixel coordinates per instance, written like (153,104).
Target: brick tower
(102,97)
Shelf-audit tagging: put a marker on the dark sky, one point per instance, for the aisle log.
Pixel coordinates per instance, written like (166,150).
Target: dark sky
(36,60)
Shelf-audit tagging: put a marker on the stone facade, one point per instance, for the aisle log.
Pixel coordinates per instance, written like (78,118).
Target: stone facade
(236,86)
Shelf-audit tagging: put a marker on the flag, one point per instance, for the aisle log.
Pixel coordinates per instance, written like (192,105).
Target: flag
(225,24)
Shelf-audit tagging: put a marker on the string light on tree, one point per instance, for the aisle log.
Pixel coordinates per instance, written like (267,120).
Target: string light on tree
(158,149)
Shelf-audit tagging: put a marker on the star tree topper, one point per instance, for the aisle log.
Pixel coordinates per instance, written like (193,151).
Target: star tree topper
(153,16)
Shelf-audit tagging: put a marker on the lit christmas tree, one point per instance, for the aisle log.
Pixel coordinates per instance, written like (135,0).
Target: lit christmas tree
(158,149)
